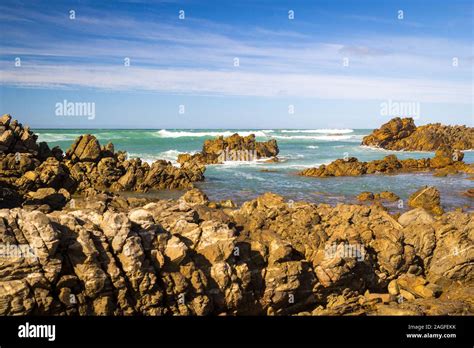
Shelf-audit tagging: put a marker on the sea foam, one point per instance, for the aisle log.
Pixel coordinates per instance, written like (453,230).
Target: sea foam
(179,134)
(319,131)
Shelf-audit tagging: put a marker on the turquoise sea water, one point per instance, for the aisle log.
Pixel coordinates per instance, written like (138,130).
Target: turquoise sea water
(299,149)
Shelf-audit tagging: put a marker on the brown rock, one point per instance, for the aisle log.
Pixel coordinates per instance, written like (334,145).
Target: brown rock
(402,134)
(365,196)
(85,148)
(194,197)
(232,148)
(428,198)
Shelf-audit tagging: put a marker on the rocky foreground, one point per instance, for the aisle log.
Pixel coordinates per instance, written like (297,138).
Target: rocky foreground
(268,257)
(403,134)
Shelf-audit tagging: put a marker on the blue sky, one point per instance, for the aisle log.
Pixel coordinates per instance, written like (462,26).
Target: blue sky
(191,62)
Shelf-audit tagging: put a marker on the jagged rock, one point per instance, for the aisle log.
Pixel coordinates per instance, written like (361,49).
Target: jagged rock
(195,197)
(55,199)
(87,167)
(388,196)
(453,255)
(366,196)
(216,242)
(428,198)
(384,196)
(417,286)
(14,137)
(175,250)
(232,148)
(267,257)
(340,167)
(85,148)
(402,134)
(415,216)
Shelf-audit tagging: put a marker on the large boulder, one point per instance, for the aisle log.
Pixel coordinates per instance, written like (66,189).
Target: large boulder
(85,148)
(428,198)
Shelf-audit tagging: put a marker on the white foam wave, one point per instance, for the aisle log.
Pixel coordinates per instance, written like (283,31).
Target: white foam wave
(319,131)
(169,155)
(249,176)
(316,137)
(56,137)
(375,148)
(303,166)
(313,147)
(53,137)
(145,157)
(178,134)
(291,156)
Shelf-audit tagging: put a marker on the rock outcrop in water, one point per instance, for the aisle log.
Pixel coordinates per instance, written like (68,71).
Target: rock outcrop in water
(382,196)
(268,257)
(403,134)
(445,161)
(232,148)
(33,174)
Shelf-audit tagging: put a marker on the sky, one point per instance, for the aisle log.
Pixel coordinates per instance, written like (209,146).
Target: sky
(236,64)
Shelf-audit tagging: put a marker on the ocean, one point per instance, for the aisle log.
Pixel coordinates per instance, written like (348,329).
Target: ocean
(299,149)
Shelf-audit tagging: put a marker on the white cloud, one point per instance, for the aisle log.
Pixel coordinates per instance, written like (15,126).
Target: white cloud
(237,83)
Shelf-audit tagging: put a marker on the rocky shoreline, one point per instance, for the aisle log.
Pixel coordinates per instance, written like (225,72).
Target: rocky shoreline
(72,245)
